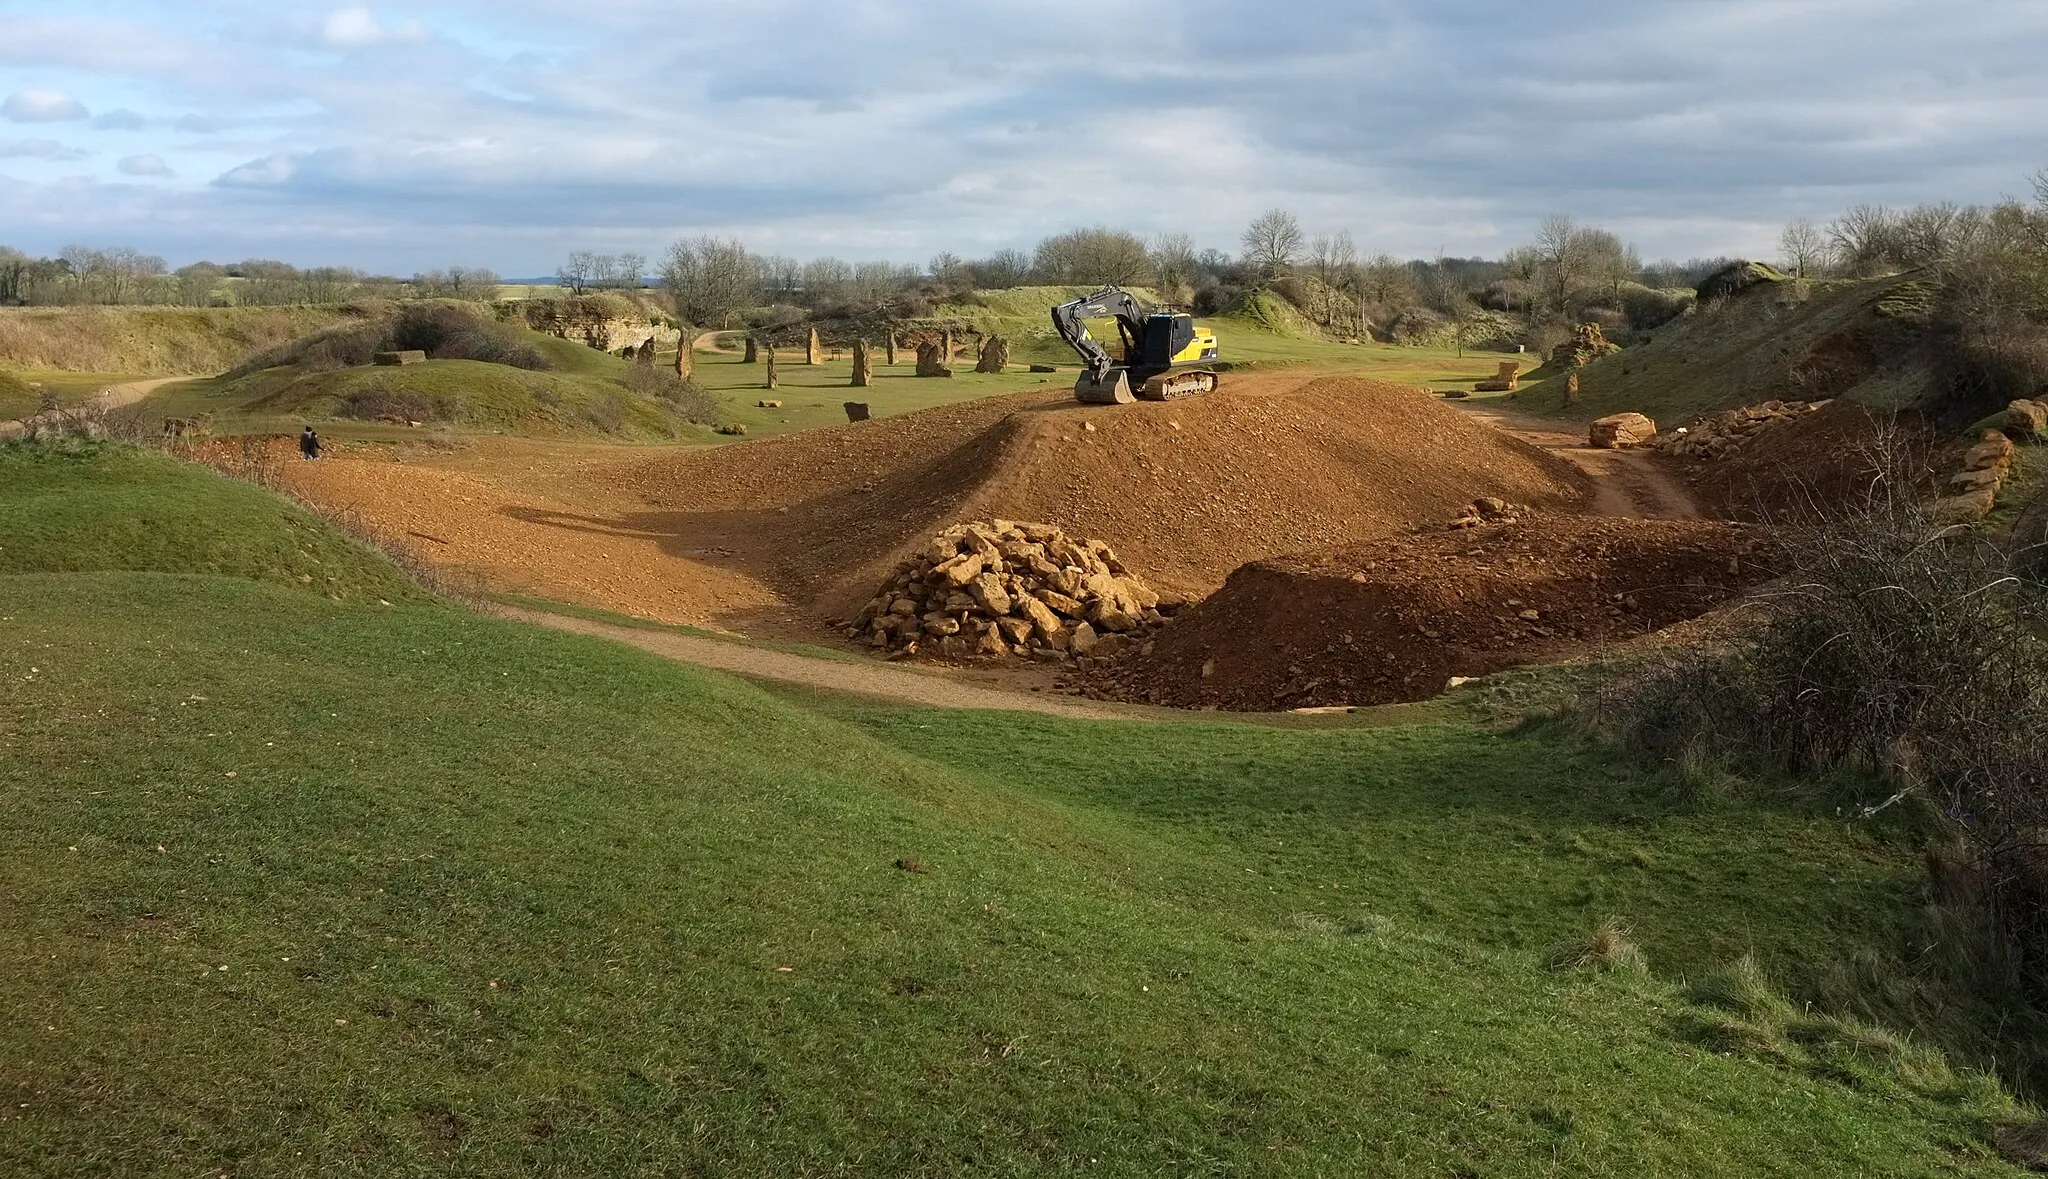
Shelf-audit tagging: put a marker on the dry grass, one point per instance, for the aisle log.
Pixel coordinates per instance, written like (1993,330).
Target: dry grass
(1607,948)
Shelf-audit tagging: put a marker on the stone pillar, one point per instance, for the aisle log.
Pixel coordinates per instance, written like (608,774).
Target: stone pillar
(892,348)
(753,352)
(860,364)
(771,366)
(1571,388)
(995,355)
(684,360)
(946,343)
(813,354)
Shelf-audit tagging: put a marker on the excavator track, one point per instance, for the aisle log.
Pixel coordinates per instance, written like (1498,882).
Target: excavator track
(1184,383)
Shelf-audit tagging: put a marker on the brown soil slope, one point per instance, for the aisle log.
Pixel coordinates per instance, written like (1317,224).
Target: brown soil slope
(1394,619)
(1185,490)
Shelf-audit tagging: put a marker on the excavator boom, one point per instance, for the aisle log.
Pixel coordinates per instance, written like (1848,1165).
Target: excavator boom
(1160,350)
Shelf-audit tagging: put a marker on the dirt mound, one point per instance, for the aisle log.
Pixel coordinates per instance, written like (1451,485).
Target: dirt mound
(1394,619)
(1186,490)
(1828,460)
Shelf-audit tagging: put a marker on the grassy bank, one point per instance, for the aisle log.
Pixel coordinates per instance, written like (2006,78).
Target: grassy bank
(319,886)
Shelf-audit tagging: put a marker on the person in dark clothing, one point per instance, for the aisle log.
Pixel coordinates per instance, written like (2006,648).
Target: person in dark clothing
(309,444)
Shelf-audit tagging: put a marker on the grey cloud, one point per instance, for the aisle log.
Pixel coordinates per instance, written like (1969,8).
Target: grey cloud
(197,125)
(121,120)
(42,106)
(37,149)
(144,165)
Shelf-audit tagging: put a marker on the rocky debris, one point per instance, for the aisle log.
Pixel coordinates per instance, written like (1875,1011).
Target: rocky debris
(1973,491)
(731,428)
(1488,510)
(1504,381)
(1001,587)
(814,353)
(856,411)
(930,360)
(2027,418)
(391,359)
(995,355)
(1719,434)
(768,403)
(1587,345)
(1618,430)
(862,375)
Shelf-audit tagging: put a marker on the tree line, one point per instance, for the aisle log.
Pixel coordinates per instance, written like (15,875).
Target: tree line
(79,275)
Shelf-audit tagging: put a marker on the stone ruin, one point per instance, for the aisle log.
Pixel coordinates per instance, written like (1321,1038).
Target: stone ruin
(930,360)
(1587,345)
(1005,588)
(995,355)
(861,374)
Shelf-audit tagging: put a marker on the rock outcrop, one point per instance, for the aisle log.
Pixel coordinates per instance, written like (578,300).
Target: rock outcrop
(606,324)
(1587,345)
(1000,587)
(1719,434)
(1973,491)
(1619,430)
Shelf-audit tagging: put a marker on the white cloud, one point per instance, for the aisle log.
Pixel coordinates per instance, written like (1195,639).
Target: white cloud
(144,165)
(356,27)
(42,106)
(37,149)
(269,172)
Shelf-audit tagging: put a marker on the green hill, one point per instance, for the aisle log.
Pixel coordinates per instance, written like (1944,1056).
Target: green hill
(158,341)
(305,886)
(1782,340)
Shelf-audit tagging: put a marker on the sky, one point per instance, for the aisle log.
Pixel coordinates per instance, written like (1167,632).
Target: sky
(507,133)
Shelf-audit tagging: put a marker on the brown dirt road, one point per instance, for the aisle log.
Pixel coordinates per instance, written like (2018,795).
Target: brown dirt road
(1626,483)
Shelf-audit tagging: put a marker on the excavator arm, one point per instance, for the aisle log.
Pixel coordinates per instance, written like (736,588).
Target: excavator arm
(1109,301)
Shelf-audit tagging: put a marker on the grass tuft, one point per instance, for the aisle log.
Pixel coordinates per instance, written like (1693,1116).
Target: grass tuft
(1608,948)
(1741,987)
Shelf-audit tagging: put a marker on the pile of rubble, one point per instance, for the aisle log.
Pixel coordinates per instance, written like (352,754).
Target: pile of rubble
(991,588)
(1587,345)
(1488,510)
(1716,435)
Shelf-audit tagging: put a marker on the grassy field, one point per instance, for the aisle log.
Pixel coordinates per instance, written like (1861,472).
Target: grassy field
(152,341)
(17,401)
(303,883)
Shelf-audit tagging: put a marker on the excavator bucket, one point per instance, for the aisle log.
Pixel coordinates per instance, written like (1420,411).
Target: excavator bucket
(1114,389)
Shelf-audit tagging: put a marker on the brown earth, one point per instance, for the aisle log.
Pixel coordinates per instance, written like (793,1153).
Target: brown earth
(1395,619)
(1832,460)
(1185,490)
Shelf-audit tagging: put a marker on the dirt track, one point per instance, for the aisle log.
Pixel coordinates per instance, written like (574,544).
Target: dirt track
(1626,483)
(114,397)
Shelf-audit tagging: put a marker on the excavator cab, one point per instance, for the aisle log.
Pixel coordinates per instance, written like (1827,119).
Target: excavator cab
(1160,350)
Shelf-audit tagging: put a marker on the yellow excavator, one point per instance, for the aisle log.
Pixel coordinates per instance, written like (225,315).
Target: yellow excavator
(1163,350)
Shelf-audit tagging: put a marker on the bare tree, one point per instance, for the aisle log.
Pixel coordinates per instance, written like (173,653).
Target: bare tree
(1803,248)
(631,270)
(1272,242)
(709,278)
(1174,266)
(1090,256)
(1004,268)
(576,274)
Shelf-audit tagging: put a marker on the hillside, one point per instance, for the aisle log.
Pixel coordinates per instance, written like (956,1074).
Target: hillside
(315,887)
(1858,339)
(161,341)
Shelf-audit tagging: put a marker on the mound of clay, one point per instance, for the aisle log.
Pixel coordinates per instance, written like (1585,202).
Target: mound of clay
(1832,460)
(1005,588)
(1394,619)
(1187,490)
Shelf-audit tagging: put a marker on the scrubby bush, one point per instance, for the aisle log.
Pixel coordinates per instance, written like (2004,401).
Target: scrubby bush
(446,332)
(1648,308)
(1991,317)
(686,398)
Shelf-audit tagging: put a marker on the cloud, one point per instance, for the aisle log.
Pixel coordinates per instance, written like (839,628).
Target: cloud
(37,149)
(356,27)
(144,165)
(42,106)
(272,171)
(196,125)
(121,120)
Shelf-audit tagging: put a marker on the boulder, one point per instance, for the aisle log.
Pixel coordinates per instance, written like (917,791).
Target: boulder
(856,411)
(1967,508)
(1994,450)
(2027,418)
(930,362)
(1621,430)
(995,355)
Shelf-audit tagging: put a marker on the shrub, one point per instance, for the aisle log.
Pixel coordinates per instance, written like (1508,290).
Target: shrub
(1607,948)
(686,398)
(445,332)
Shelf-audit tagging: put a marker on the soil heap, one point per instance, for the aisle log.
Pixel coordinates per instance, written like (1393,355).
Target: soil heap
(1006,588)
(1394,619)
(1187,490)
(1717,434)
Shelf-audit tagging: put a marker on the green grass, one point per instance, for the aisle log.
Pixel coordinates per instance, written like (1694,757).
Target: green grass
(307,887)
(156,341)
(19,400)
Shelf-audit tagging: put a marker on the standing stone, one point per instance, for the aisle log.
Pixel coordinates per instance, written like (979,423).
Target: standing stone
(995,355)
(645,353)
(892,349)
(1571,388)
(684,361)
(945,342)
(771,367)
(856,411)
(930,362)
(753,352)
(860,364)
(813,354)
